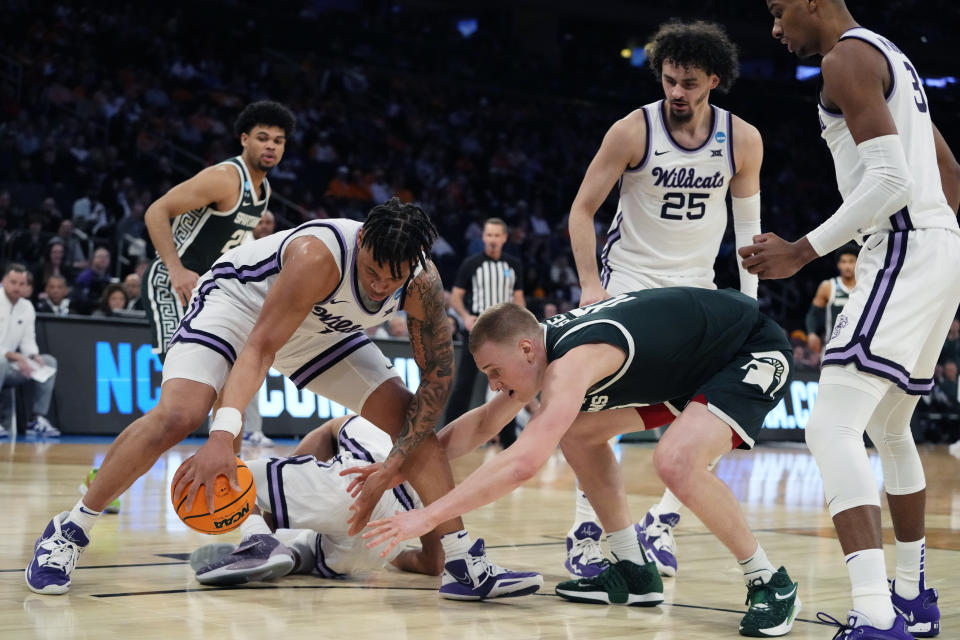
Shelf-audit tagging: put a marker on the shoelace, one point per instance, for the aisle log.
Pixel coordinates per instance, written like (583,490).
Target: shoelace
(756,585)
(828,619)
(589,550)
(660,537)
(63,555)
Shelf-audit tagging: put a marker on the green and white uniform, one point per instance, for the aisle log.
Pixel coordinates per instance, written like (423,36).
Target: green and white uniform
(201,237)
(680,343)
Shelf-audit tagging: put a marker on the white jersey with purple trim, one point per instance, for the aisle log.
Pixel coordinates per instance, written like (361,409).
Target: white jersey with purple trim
(672,211)
(305,493)
(908,105)
(246,273)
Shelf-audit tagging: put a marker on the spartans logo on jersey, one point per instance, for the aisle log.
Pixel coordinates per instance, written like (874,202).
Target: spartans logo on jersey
(768,370)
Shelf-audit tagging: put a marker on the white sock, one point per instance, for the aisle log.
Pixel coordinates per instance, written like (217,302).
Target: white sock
(909,568)
(456,544)
(83,516)
(668,503)
(584,512)
(757,566)
(254,524)
(303,543)
(625,546)
(871,596)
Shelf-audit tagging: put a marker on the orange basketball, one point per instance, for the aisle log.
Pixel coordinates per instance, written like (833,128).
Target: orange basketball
(231,508)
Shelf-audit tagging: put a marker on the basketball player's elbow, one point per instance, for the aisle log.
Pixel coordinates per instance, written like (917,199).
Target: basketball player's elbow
(524,468)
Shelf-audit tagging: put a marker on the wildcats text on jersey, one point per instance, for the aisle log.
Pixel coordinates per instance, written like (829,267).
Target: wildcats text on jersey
(685,178)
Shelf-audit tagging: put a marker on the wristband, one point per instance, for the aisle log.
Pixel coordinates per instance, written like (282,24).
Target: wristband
(227,419)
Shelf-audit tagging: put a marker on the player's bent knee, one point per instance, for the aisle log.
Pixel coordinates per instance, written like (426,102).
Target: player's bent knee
(674,468)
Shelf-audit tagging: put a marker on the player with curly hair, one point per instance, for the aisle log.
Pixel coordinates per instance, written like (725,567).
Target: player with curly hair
(674,161)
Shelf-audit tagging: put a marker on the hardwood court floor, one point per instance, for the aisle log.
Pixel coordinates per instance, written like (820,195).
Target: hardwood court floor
(133,581)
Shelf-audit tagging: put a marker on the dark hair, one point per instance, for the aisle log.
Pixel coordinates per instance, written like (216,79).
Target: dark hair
(267,113)
(399,234)
(849,248)
(108,291)
(704,45)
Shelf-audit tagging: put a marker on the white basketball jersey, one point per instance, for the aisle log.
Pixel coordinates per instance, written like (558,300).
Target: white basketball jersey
(908,105)
(246,273)
(672,211)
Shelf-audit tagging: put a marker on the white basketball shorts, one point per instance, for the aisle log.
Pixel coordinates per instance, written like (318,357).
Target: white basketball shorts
(894,324)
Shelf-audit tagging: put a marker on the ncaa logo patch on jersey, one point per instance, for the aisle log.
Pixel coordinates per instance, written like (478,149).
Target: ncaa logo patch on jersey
(768,370)
(721,137)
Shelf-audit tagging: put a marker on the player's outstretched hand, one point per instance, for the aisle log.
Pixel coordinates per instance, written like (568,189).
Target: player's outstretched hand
(374,484)
(405,525)
(770,257)
(360,475)
(215,458)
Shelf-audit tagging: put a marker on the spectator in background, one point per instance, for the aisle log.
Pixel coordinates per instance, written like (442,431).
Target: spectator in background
(55,298)
(29,244)
(112,300)
(74,255)
(53,264)
(91,282)
(28,290)
(89,214)
(951,348)
(131,287)
(21,356)
(266,225)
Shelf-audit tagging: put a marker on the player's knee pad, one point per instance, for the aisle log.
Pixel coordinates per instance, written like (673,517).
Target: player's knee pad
(891,435)
(834,435)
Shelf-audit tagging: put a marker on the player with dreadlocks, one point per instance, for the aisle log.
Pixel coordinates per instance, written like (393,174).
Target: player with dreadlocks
(299,301)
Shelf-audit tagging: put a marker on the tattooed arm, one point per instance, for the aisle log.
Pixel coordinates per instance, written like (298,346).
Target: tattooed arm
(432,347)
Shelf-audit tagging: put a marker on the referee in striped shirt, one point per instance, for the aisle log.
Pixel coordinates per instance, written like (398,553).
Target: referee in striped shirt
(483,280)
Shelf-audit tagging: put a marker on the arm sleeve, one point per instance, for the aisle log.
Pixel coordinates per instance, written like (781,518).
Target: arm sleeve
(885,188)
(746,224)
(816,321)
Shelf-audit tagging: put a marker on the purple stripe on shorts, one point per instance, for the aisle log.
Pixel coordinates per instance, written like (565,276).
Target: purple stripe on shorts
(278,505)
(881,294)
(403,497)
(354,447)
(327,359)
(321,564)
(246,273)
(865,361)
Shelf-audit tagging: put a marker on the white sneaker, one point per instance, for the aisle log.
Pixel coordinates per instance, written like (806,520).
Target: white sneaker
(3,432)
(954,449)
(474,577)
(655,535)
(257,439)
(40,426)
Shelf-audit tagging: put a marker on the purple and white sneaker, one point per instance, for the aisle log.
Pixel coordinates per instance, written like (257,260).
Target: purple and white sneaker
(474,577)
(922,613)
(55,555)
(860,627)
(260,557)
(584,555)
(655,535)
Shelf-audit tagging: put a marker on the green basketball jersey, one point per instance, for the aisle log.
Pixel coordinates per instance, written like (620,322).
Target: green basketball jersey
(203,235)
(675,339)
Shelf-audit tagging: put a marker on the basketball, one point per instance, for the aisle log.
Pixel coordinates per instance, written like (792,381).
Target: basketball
(231,508)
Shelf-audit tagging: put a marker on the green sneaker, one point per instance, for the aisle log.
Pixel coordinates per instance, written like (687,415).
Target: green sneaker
(773,606)
(113,507)
(621,582)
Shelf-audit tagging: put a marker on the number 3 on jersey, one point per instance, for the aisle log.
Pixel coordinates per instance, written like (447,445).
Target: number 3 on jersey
(236,239)
(693,202)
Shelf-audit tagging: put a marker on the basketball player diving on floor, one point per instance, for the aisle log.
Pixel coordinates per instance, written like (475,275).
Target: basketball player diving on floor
(300,301)
(302,502)
(900,187)
(715,362)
